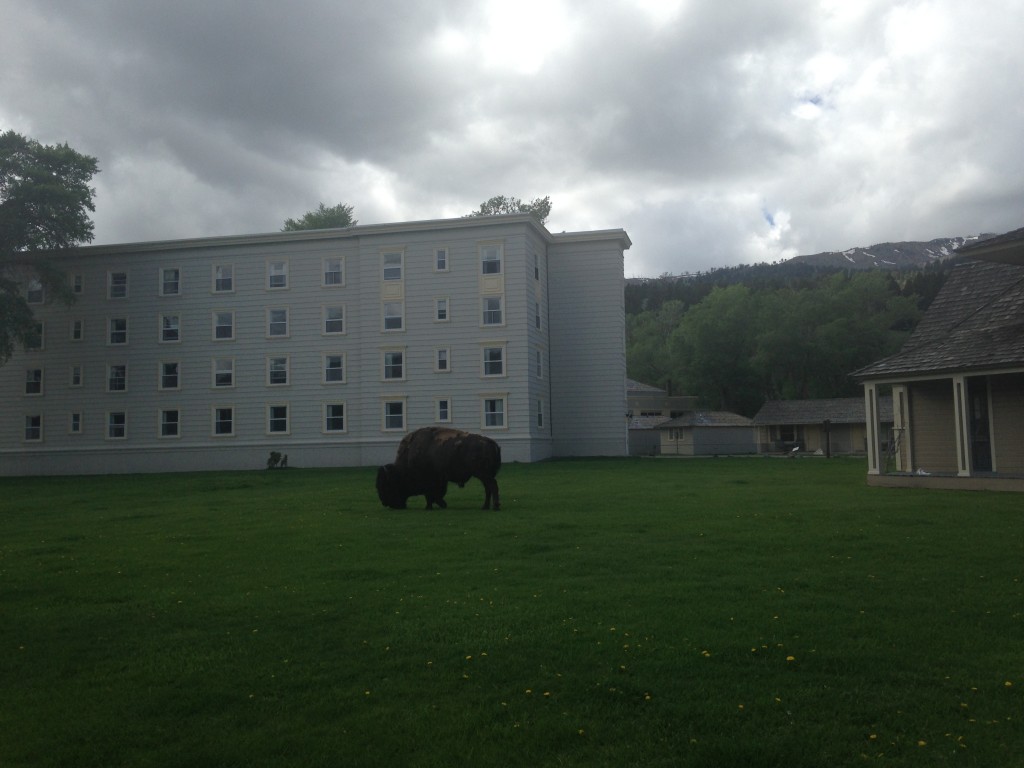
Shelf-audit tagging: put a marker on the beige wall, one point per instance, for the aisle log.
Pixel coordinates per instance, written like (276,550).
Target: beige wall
(933,426)
(1008,422)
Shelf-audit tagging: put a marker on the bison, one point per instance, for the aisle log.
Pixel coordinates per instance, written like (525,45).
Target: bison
(431,457)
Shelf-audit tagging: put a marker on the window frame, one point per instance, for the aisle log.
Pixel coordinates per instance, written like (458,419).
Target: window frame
(111,342)
(485,260)
(388,273)
(34,377)
(162,326)
(385,415)
(271,323)
(485,414)
(271,418)
(278,270)
(33,422)
(215,279)
(485,312)
(72,384)
(325,418)
(108,433)
(123,379)
(325,309)
(385,317)
(502,347)
(117,289)
(161,423)
(76,423)
(324,357)
(442,263)
(161,375)
(215,410)
(385,365)
(442,309)
(76,331)
(444,417)
(163,282)
(215,316)
(35,293)
(324,272)
(215,369)
(277,364)
(442,354)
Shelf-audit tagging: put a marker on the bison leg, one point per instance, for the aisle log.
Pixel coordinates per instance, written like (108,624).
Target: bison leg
(491,499)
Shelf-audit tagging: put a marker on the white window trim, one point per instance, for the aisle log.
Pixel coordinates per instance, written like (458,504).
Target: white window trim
(323,320)
(213,373)
(384,317)
(214,326)
(288,419)
(383,364)
(500,245)
(110,284)
(287,323)
(447,258)
(71,375)
(447,309)
(437,410)
(117,391)
(24,428)
(383,414)
(110,332)
(323,368)
(287,275)
(71,423)
(400,252)
(323,418)
(160,281)
(81,328)
(213,278)
(42,382)
(77,282)
(160,423)
(323,272)
(448,359)
(503,396)
(160,328)
(287,370)
(213,420)
(503,346)
(483,310)
(160,376)
(106,426)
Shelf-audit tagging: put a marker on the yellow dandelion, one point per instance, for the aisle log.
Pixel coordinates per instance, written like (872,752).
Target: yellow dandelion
(922,743)
(791,658)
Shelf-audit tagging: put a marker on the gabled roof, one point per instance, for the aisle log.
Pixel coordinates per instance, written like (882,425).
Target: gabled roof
(708,419)
(838,410)
(634,387)
(976,323)
(1007,248)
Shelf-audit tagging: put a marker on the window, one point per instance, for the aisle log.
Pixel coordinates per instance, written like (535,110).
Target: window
(75,379)
(33,428)
(440,259)
(75,424)
(492,310)
(442,360)
(277,322)
(393,366)
(277,419)
(536,267)
(223,326)
(334,417)
(223,421)
(277,371)
(391,265)
(334,319)
(34,293)
(490,259)
(77,284)
(394,415)
(334,369)
(393,316)
(77,330)
(539,359)
(494,412)
(223,278)
(334,271)
(224,372)
(540,414)
(536,314)
(277,274)
(443,410)
(34,381)
(170,281)
(169,375)
(117,378)
(494,361)
(170,423)
(37,338)
(117,425)
(118,330)
(117,285)
(441,310)
(170,328)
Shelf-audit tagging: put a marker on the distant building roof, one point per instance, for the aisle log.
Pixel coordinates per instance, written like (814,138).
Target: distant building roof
(707,419)
(634,387)
(647,422)
(1007,248)
(838,410)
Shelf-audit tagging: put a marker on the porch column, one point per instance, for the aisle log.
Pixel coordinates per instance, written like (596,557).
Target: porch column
(871,424)
(963,429)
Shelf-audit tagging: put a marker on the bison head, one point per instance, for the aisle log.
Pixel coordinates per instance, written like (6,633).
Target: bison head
(391,487)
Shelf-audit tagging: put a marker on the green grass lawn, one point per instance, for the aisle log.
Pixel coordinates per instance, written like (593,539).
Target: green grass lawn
(719,612)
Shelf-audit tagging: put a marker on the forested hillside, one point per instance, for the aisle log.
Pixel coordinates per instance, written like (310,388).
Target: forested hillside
(739,336)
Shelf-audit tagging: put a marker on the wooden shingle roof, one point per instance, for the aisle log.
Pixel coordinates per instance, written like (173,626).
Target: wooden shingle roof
(707,419)
(838,410)
(976,323)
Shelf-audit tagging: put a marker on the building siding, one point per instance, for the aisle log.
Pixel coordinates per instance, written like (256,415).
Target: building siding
(362,344)
(1008,423)
(934,434)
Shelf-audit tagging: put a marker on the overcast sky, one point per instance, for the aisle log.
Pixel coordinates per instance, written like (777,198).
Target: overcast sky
(715,132)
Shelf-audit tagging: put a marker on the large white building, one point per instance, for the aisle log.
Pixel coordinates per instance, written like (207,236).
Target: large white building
(326,346)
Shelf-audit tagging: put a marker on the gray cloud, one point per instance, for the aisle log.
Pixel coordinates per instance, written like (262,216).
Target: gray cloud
(685,122)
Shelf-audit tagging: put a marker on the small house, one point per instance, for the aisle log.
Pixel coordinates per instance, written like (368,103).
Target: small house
(829,426)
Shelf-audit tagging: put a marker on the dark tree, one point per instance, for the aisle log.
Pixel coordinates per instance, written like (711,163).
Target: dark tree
(45,198)
(323,217)
(539,207)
